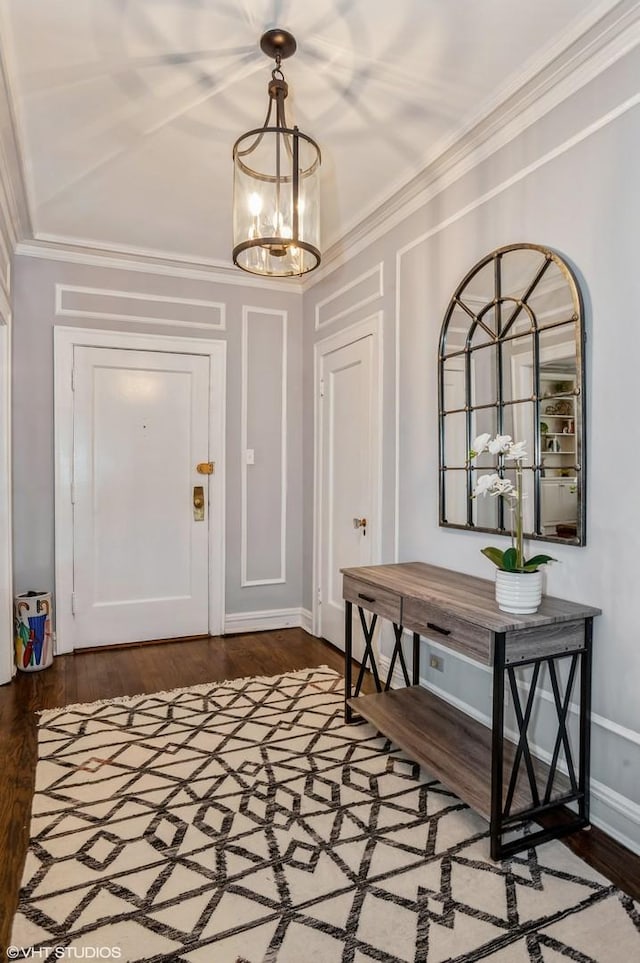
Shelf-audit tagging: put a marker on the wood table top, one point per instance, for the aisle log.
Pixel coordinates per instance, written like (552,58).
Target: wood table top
(465,596)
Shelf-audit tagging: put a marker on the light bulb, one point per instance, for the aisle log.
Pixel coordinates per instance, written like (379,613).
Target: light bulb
(255,204)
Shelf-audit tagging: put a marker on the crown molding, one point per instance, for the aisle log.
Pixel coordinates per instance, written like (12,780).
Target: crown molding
(149,263)
(599,47)
(14,206)
(5,307)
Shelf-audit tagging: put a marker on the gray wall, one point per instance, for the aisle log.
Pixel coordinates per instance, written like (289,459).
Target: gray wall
(568,181)
(34,298)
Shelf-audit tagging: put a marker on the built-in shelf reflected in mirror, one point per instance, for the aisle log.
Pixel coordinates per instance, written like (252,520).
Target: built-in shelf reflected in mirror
(512,362)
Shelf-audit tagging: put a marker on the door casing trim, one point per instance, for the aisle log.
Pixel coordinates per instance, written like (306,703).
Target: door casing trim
(373,326)
(65,340)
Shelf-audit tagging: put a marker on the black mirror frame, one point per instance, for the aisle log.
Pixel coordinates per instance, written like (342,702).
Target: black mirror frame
(537,398)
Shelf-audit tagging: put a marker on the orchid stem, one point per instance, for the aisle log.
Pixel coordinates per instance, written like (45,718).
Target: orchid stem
(519,538)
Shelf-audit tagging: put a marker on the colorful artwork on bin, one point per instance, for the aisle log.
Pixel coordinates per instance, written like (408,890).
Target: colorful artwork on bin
(33,634)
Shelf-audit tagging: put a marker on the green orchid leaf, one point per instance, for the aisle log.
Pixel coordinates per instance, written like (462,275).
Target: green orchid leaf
(509,560)
(494,555)
(533,564)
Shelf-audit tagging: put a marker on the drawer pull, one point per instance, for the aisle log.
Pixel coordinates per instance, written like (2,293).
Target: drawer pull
(367,598)
(436,628)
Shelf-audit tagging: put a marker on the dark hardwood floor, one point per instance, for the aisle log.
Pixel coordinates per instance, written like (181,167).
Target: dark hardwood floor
(105,674)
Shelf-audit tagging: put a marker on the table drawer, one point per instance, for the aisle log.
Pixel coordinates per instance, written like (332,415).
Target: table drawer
(374,599)
(437,624)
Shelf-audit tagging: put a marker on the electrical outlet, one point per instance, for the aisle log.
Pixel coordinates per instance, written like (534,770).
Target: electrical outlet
(437,663)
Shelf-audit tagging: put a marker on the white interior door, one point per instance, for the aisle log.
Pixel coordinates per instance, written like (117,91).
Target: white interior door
(140,556)
(348,483)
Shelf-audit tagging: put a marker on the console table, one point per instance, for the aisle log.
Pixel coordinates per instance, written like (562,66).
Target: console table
(501,779)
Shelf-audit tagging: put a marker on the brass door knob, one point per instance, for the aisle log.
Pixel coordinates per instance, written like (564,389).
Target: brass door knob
(198,503)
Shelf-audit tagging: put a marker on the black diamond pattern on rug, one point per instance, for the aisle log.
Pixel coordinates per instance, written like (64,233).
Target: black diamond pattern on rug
(244,822)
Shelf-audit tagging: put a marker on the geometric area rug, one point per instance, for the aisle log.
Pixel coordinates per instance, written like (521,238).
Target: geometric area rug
(244,821)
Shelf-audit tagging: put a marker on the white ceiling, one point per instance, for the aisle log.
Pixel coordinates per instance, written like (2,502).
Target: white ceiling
(127,110)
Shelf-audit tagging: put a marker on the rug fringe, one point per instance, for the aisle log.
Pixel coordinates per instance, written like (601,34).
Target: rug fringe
(202,687)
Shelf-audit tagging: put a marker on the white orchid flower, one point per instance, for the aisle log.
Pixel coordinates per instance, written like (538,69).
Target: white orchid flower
(485,484)
(504,487)
(480,444)
(516,451)
(500,444)
(493,485)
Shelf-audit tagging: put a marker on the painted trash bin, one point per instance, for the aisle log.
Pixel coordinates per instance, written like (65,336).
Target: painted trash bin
(32,638)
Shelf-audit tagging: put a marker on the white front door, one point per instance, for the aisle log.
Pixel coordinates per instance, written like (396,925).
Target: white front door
(348,481)
(140,551)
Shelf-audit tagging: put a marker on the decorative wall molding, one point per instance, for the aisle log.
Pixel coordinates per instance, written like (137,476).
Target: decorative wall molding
(264,621)
(245,581)
(372,287)
(113,302)
(601,46)
(608,798)
(150,263)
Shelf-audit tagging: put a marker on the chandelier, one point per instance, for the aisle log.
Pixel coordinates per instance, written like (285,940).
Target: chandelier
(276,184)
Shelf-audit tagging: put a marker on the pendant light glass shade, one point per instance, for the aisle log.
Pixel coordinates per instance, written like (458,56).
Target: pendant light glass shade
(276,194)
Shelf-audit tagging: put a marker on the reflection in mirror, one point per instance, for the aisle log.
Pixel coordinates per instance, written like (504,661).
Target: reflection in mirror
(551,302)
(484,388)
(511,362)
(484,329)
(485,510)
(485,421)
(517,369)
(453,383)
(456,336)
(519,271)
(454,439)
(457,498)
(478,291)
(519,422)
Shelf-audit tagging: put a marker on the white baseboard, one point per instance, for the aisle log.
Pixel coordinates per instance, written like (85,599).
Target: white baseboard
(306,620)
(610,810)
(270,619)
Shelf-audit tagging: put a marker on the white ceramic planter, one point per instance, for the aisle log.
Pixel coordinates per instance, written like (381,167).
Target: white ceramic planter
(518,592)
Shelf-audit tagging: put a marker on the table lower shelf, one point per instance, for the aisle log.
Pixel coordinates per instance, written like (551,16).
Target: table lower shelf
(452,746)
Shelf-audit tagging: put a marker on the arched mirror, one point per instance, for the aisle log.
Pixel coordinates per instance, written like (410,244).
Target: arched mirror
(512,363)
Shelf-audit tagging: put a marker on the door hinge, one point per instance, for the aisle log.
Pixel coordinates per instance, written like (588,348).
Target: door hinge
(73,603)
(73,379)
(73,493)
(319,596)
(322,387)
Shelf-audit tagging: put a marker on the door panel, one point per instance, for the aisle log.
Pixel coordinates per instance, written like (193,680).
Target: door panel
(140,559)
(348,475)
